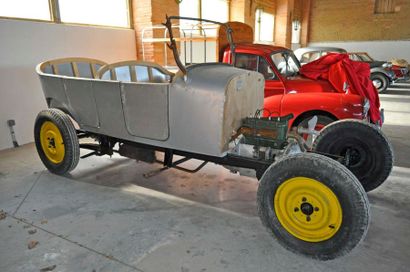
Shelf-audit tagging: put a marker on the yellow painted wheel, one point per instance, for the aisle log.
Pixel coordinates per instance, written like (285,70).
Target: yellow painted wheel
(56,141)
(308,209)
(313,206)
(52,142)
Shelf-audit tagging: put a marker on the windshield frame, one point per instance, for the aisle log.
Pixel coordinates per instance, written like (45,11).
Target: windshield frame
(365,57)
(292,55)
(173,45)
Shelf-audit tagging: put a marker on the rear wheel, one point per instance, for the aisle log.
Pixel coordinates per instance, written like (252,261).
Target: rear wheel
(313,205)
(367,151)
(380,82)
(56,141)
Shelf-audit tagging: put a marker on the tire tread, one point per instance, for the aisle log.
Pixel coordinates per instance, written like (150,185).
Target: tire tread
(353,124)
(354,187)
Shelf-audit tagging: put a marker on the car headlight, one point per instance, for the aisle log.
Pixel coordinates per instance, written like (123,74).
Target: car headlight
(387,65)
(366,107)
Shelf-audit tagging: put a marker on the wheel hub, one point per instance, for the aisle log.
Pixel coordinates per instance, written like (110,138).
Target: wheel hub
(52,142)
(353,156)
(308,209)
(377,83)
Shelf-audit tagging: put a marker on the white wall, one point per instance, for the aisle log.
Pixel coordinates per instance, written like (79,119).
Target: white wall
(379,50)
(24,44)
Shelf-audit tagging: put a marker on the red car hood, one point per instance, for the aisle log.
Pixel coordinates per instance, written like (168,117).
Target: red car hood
(300,84)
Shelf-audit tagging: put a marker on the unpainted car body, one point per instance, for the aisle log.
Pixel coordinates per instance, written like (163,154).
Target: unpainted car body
(125,110)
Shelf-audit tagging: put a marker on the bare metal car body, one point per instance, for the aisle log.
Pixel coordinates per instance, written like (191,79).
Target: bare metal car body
(162,114)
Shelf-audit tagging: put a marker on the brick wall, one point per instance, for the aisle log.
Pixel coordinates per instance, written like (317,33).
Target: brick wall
(244,10)
(148,13)
(354,20)
(321,20)
(160,9)
(141,18)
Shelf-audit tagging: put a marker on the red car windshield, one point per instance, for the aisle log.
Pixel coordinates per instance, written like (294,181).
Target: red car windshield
(286,63)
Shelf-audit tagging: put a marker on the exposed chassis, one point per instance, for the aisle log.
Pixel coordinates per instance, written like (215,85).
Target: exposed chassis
(106,147)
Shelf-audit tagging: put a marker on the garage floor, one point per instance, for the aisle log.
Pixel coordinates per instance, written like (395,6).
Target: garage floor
(107,217)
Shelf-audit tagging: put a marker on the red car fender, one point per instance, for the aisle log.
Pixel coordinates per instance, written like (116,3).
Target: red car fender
(352,105)
(336,105)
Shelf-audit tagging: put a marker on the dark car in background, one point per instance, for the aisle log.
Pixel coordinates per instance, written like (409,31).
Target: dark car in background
(383,73)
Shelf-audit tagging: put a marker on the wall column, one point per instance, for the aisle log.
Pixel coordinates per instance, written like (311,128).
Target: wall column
(283,22)
(304,34)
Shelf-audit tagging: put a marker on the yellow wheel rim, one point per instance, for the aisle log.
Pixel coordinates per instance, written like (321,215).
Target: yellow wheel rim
(308,209)
(52,142)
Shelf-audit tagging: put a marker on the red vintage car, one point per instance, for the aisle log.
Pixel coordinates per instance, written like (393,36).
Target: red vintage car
(287,92)
(383,73)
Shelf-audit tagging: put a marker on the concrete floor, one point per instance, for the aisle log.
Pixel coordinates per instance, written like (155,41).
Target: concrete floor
(106,216)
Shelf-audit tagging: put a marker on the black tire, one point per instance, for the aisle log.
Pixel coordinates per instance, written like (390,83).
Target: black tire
(69,137)
(260,172)
(371,155)
(380,81)
(341,182)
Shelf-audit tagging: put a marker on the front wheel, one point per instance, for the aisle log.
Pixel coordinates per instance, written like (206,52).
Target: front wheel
(380,82)
(313,205)
(56,141)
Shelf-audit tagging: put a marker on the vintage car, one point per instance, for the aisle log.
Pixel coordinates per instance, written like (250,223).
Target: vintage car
(383,73)
(313,204)
(380,72)
(401,68)
(312,53)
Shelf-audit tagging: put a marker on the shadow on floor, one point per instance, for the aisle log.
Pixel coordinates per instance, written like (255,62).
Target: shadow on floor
(213,185)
